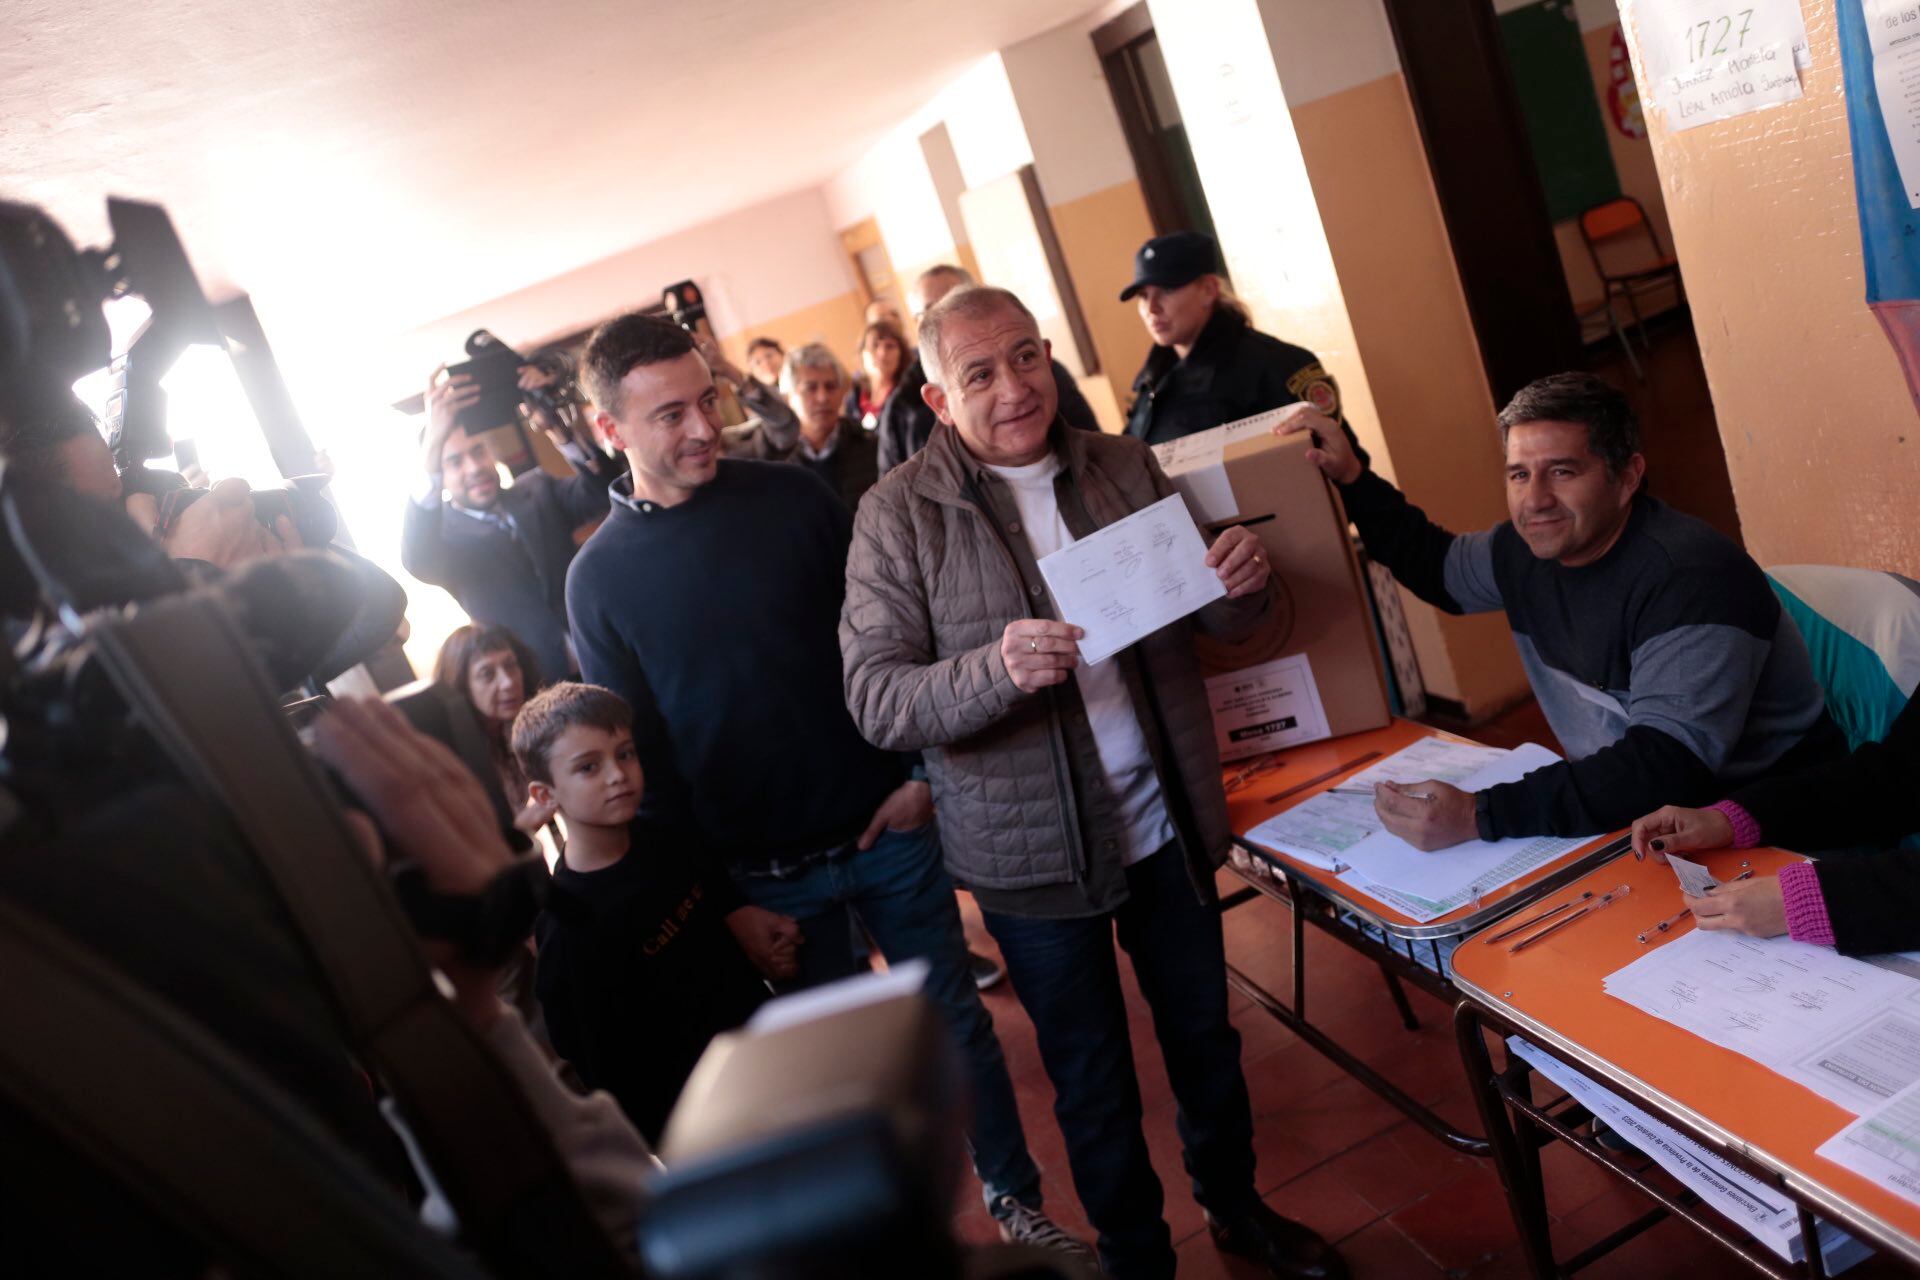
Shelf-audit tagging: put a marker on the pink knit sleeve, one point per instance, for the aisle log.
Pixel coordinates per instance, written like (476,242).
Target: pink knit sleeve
(1746,832)
(1806,906)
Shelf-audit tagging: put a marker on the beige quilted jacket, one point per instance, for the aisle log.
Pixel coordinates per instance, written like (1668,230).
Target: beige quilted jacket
(931,585)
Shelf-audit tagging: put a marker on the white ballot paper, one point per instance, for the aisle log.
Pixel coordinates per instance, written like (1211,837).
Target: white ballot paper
(1893,29)
(1320,830)
(1770,1216)
(1132,578)
(1695,880)
(1847,1029)
(1264,708)
(1883,1145)
(1707,60)
(1426,885)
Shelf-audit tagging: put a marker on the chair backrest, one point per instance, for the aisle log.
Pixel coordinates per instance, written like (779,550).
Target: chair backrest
(1608,225)
(1862,628)
(1611,218)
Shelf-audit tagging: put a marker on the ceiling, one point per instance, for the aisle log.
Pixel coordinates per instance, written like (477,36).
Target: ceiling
(363,167)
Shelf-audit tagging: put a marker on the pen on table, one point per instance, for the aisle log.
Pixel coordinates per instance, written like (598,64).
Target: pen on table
(1599,904)
(1534,920)
(1368,793)
(1682,913)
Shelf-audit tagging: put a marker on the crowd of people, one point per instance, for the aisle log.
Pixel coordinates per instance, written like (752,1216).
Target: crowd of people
(776,689)
(816,705)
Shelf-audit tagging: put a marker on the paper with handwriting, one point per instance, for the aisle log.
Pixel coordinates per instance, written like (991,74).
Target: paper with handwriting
(1133,577)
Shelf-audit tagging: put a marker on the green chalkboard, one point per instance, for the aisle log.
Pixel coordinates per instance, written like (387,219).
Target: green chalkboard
(1562,111)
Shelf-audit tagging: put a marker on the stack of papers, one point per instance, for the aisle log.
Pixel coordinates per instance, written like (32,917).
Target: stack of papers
(1884,1145)
(1773,1219)
(1847,1029)
(1343,834)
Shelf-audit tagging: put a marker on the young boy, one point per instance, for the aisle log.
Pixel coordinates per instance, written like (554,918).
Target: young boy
(637,969)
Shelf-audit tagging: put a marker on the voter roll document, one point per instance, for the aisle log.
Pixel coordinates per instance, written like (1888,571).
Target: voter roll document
(1128,580)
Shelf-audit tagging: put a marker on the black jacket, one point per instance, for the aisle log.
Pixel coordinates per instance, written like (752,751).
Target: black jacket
(906,421)
(853,466)
(519,584)
(1869,797)
(1233,371)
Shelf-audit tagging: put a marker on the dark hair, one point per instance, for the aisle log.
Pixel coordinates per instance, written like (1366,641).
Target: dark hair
(622,345)
(764,341)
(33,447)
(458,652)
(1612,431)
(887,329)
(564,706)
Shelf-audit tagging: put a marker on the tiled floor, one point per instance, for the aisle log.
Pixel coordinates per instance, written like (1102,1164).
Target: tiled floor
(1399,1205)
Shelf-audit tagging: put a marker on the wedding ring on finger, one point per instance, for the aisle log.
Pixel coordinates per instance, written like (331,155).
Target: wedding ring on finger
(1033,643)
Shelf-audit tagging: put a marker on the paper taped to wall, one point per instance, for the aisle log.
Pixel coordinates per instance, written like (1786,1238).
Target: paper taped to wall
(1707,60)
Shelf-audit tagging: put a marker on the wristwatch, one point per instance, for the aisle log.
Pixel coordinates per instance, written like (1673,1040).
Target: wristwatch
(488,926)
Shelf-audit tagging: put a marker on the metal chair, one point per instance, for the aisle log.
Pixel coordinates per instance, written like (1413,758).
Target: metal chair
(1611,225)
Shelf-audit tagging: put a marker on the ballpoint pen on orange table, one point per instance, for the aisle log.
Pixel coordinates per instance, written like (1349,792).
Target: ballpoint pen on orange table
(1601,903)
(1680,915)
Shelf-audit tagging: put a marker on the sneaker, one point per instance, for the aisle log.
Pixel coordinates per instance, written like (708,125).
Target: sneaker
(1024,1224)
(986,972)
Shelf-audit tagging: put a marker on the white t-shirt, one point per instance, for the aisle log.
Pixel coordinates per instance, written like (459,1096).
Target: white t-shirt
(1103,688)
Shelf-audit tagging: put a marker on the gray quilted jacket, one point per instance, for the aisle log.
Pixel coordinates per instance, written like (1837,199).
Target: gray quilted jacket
(931,586)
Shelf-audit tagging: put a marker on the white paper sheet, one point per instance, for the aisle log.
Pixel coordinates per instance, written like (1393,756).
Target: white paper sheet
(1844,1028)
(1707,60)
(1893,29)
(1265,708)
(1131,578)
(1426,885)
(1883,1145)
(1695,880)
(1320,830)
(1745,1199)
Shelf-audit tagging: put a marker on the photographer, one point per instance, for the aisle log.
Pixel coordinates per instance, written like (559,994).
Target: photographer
(502,553)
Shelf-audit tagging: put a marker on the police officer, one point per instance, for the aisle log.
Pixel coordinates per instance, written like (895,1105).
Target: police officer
(1209,365)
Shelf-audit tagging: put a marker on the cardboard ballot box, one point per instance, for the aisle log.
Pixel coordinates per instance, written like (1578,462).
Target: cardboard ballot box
(1315,671)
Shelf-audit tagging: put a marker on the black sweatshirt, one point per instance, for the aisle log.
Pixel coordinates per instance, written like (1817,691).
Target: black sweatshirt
(1667,668)
(637,972)
(719,621)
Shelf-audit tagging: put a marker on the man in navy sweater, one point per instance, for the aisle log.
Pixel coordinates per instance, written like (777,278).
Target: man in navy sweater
(710,600)
(1660,656)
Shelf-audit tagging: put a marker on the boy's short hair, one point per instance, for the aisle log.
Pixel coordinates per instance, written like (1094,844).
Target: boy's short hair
(558,708)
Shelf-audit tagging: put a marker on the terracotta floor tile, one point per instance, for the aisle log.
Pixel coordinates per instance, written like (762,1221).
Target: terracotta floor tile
(1462,1224)
(1381,1252)
(1324,1202)
(1395,1168)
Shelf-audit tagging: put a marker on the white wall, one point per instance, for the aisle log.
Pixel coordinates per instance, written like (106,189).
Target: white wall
(756,264)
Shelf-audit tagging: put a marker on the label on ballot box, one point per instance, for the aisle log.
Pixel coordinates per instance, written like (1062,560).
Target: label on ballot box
(1263,708)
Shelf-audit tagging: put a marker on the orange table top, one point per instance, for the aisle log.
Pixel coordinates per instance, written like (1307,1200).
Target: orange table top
(1286,778)
(1553,991)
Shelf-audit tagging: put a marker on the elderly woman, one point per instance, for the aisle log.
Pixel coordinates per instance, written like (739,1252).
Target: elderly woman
(494,671)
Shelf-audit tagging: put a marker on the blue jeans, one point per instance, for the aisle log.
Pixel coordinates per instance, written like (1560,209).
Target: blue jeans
(903,896)
(1066,975)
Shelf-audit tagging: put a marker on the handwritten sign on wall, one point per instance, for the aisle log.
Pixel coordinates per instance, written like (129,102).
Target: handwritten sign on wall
(1707,60)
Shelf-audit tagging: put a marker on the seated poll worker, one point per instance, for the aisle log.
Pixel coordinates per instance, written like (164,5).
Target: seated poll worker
(1660,656)
(1863,903)
(1075,801)
(1209,365)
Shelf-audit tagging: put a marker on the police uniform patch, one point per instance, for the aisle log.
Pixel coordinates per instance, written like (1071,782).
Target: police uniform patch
(1312,384)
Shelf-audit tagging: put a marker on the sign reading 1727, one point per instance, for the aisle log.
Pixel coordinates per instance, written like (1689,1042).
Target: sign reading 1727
(1719,36)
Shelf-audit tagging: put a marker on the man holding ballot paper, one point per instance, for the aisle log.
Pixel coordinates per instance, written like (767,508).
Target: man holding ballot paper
(1660,656)
(1072,754)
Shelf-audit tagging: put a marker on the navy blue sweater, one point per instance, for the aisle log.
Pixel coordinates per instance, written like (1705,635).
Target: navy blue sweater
(1667,668)
(718,619)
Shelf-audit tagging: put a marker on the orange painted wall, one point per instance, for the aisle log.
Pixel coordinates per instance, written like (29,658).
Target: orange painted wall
(1821,435)
(836,322)
(1416,344)
(1098,236)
